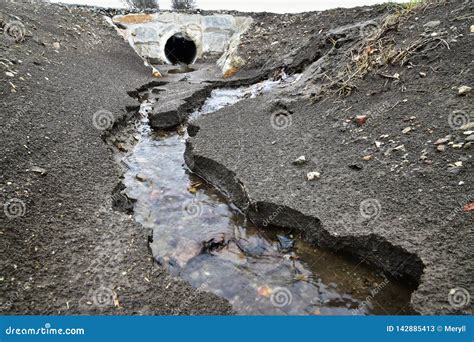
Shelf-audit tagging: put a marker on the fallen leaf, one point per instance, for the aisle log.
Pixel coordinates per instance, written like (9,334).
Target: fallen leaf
(156,73)
(116,301)
(231,72)
(360,119)
(469,207)
(264,291)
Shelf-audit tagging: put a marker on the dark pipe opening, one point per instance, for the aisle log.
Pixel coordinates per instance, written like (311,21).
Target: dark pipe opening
(180,49)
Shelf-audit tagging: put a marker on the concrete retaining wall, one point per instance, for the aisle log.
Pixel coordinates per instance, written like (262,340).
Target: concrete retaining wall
(212,34)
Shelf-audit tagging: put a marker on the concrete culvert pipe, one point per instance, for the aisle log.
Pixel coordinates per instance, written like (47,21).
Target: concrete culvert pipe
(180,49)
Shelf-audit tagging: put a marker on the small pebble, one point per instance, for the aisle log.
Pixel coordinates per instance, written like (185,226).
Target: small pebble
(442,140)
(462,90)
(300,160)
(468,126)
(141,177)
(432,24)
(313,175)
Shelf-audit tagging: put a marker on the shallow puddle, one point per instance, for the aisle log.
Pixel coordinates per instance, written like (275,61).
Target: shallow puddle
(199,235)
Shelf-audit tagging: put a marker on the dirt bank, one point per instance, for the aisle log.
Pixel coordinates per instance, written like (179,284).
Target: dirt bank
(381,115)
(70,253)
(380,86)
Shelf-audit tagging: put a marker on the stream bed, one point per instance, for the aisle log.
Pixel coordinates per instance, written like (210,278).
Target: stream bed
(200,236)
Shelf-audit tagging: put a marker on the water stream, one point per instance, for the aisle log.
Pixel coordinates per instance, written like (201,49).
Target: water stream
(199,235)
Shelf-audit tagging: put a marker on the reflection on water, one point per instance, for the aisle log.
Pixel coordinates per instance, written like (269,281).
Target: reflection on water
(200,236)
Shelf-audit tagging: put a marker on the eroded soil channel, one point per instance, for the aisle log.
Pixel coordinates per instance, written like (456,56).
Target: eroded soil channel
(199,235)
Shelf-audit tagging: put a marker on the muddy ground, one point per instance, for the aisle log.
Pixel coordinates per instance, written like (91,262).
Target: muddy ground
(72,253)
(381,114)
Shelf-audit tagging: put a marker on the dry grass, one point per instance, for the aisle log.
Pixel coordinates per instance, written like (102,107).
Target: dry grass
(403,55)
(376,51)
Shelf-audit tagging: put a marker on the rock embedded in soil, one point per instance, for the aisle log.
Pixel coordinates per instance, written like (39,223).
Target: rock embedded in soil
(463,90)
(313,175)
(39,170)
(467,126)
(300,160)
(443,140)
(141,177)
(432,24)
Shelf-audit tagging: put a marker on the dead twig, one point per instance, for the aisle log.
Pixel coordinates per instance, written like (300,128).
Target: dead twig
(466,17)
(403,56)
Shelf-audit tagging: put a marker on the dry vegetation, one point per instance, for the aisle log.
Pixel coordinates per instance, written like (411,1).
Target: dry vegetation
(377,50)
